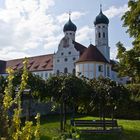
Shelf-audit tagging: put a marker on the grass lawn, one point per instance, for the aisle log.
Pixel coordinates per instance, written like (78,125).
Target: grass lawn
(50,128)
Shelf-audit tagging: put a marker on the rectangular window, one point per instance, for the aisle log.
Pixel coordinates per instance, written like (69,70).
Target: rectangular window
(100,68)
(108,71)
(41,75)
(46,74)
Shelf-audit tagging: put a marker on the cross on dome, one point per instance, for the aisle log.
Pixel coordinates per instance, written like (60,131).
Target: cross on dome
(100,7)
(69,14)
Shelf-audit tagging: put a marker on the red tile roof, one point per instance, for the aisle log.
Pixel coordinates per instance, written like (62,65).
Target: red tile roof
(79,47)
(37,63)
(92,54)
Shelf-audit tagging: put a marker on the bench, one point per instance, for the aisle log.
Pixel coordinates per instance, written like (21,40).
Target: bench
(96,126)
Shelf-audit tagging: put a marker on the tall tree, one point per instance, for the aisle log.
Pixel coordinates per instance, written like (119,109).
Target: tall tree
(130,60)
(131,20)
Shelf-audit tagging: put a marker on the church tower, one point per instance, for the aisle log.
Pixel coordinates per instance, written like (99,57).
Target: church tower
(101,34)
(70,29)
(66,55)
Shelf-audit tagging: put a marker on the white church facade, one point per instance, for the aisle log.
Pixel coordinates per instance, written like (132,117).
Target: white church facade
(72,57)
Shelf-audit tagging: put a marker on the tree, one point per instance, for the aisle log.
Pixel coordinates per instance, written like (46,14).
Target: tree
(11,127)
(129,63)
(130,60)
(68,91)
(107,94)
(2,84)
(35,83)
(131,20)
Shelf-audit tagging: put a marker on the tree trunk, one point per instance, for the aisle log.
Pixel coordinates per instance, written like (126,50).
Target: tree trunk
(61,116)
(64,116)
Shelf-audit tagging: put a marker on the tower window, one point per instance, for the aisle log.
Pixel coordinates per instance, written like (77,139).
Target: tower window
(69,52)
(65,59)
(103,34)
(58,60)
(70,33)
(99,35)
(98,26)
(103,26)
(62,53)
(74,58)
(65,70)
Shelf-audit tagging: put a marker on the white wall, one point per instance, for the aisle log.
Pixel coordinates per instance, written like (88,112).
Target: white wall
(91,69)
(43,74)
(102,41)
(63,53)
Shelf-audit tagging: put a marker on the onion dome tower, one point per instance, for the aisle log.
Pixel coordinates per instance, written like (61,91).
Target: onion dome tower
(101,34)
(70,29)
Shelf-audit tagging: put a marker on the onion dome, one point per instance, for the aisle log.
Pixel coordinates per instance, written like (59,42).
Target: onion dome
(101,18)
(69,26)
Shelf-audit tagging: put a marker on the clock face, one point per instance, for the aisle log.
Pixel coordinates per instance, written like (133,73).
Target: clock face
(66,42)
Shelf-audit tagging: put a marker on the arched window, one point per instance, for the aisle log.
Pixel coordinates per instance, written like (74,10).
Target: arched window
(99,34)
(103,34)
(65,70)
(65,59)
(57,72)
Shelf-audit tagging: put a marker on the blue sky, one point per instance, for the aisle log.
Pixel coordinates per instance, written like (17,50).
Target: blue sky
(35,27)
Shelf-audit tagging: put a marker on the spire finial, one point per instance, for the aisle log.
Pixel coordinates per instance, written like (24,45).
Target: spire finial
(69,14)
(100,7)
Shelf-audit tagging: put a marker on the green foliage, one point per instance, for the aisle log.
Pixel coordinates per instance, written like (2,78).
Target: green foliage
(35,83)
(11,124)
(132,21)
(2,84)
(68,87)
(129,62)
(134,90)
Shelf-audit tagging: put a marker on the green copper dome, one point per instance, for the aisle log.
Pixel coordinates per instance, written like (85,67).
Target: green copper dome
(101,18)
(69,26)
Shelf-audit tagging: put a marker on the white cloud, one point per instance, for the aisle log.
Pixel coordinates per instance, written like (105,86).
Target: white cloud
(24,25)
(51,43)
(84,34)
(11,53)
(116,11)
(75,15)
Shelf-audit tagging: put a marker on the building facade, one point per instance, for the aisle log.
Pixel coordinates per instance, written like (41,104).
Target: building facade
(72,57)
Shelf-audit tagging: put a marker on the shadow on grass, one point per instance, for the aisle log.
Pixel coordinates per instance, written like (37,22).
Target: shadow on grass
(50,118)
(100,137)
(131,135)
(126,135)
